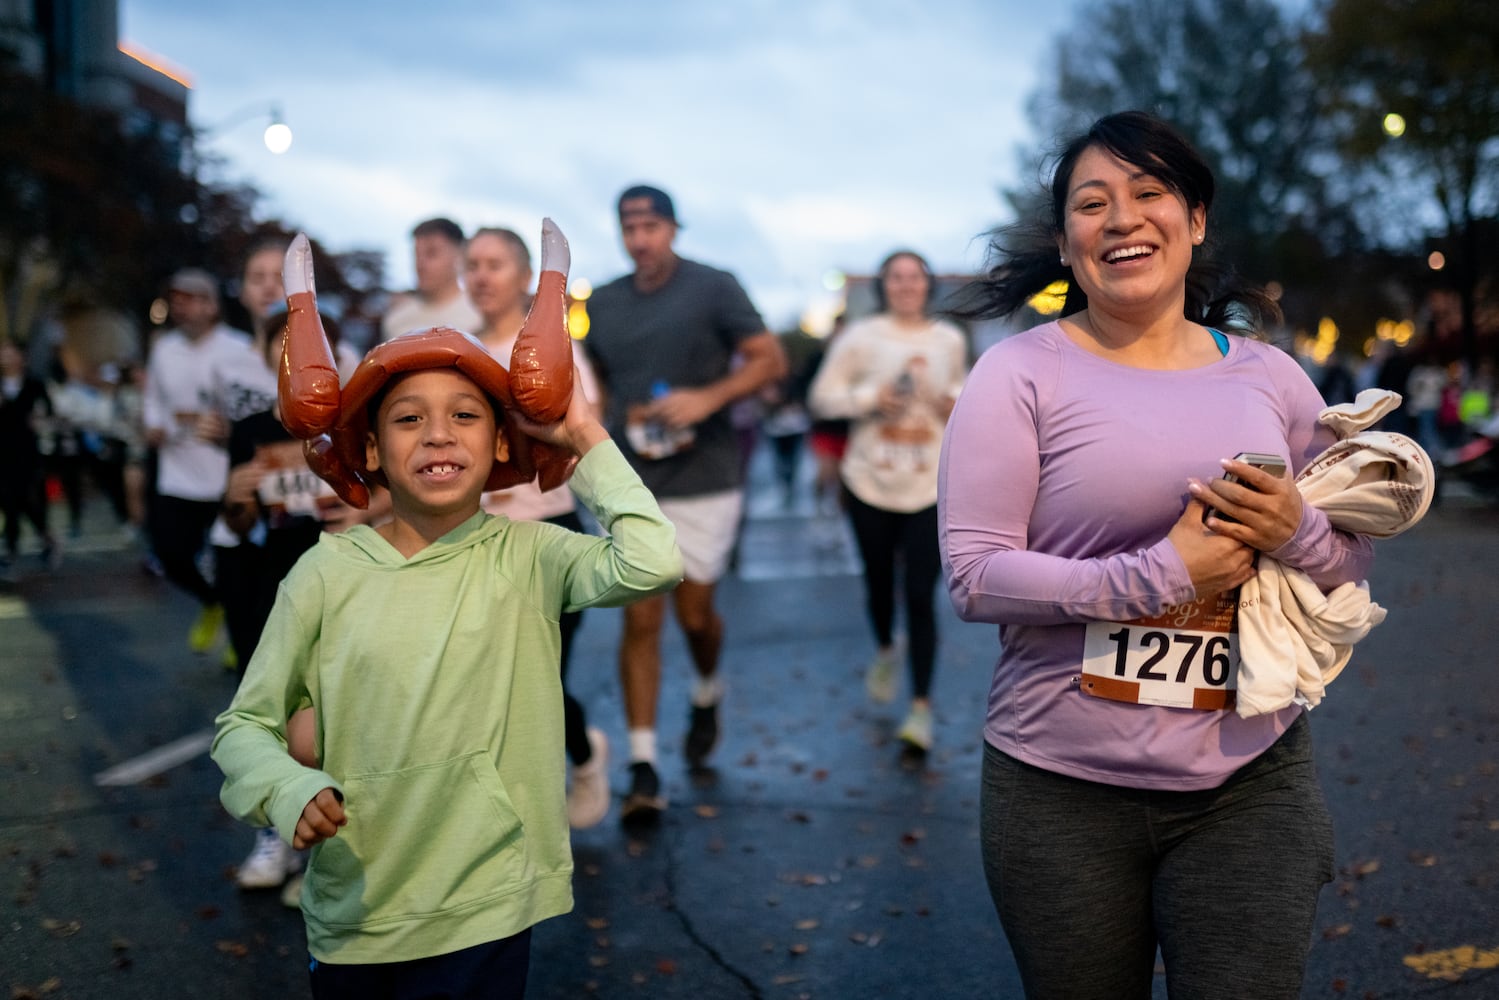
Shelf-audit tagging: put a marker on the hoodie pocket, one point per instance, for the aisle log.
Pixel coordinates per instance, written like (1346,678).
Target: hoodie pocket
(420,840)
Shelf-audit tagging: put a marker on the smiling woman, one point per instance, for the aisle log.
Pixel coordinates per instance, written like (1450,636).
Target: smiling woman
(1062,519)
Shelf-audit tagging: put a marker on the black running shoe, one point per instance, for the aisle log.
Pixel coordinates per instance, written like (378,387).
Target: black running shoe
(702,736)
(644,803)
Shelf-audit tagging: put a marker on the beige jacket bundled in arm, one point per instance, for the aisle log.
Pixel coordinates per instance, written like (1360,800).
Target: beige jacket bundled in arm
(1293,638)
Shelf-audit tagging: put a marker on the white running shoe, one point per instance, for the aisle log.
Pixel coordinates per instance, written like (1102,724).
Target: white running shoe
(588,798)
(916,731)
(270,862)
(879,680)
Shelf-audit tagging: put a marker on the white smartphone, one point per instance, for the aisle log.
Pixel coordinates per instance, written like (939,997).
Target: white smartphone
(1273,464)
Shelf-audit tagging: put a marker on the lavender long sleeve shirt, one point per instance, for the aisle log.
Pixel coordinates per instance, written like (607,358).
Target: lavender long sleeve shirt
(1061,474)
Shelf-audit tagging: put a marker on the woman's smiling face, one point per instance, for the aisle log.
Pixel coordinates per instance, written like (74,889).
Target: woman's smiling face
(1128,236)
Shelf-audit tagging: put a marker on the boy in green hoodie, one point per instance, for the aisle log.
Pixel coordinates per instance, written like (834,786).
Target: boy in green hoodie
(429,648)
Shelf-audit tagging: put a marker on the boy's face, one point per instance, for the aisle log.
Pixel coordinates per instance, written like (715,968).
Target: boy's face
(435,438)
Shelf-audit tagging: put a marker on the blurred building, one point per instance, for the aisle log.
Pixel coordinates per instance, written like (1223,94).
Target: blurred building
(73,47)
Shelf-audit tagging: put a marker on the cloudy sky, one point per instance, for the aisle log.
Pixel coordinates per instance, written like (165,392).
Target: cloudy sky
(797,136)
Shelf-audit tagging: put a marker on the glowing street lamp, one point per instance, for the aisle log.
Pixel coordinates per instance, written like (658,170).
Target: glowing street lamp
(1394,125)
(277,136)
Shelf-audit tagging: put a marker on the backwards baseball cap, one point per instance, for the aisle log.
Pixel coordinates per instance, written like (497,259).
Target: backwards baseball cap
(194,281)
(660,202)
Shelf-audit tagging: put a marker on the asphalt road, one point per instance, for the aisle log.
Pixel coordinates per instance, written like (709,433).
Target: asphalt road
(811,863)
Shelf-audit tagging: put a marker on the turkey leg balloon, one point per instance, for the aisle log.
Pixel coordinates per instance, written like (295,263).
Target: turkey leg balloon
(333,423)
(307,382)
(541,362)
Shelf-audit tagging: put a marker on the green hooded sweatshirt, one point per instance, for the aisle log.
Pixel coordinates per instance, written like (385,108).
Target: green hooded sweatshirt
(439,717)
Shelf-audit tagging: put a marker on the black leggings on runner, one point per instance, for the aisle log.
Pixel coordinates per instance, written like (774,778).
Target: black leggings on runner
(179,531)
(882,535)
(1089,879)
(575,722)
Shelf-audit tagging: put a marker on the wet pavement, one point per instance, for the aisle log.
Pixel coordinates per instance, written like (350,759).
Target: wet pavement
(810,861)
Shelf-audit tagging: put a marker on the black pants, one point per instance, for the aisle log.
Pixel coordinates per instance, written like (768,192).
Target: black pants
(493,971)
(23,493)
(239,578)
(1089,879)
(882,536)
(575,721)
(179,530)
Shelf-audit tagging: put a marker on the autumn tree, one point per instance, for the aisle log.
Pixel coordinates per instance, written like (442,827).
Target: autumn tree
(1434,65)
(1229,74)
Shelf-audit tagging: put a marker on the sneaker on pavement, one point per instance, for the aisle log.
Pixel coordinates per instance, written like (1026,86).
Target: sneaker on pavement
(879,680)
(644,804)
(588,797)
(270,862)
(916,731)
(702,735)
(206,629)
(291,892)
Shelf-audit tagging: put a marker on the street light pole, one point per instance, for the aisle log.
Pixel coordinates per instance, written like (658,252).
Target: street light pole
(277,136)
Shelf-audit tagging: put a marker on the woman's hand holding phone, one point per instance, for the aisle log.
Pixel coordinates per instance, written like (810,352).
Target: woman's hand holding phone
(1254,501)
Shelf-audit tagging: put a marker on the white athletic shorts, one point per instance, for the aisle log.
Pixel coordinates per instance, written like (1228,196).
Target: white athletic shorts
(706,528)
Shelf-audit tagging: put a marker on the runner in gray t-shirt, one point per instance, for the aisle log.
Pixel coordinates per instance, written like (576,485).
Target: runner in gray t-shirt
(673,344)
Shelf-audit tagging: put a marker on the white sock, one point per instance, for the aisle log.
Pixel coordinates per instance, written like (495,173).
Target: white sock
(706,691)
(642,746)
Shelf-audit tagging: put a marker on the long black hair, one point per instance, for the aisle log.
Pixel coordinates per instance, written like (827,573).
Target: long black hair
(1024,257)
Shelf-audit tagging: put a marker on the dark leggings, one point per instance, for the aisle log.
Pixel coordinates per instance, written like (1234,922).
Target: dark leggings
(881,536)
(239,580)
(23,493)
(1089,879)
(178,531)
(575,722)
(494,971)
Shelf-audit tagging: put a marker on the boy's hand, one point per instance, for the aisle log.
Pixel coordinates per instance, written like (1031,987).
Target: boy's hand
(578,431)
(320,820)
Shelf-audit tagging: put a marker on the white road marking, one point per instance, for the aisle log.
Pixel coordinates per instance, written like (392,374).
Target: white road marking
(163,758)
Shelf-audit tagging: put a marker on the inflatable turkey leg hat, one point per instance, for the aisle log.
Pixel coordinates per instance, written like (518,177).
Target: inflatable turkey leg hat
(333,423)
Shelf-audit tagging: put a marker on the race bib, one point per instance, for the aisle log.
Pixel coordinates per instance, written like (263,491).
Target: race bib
(289,489)
(902,447)
(294,493)
(1185,657)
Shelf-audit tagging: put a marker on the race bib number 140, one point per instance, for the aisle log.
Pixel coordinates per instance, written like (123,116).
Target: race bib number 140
(1186,657)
